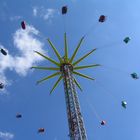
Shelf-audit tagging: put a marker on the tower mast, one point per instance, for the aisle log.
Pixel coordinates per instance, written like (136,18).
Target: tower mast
(76,125)
(66,68)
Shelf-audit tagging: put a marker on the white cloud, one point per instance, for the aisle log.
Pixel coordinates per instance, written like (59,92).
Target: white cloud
(46,14)
(49,14)
(6,135)
(14,18)
(25,42)
(35,11)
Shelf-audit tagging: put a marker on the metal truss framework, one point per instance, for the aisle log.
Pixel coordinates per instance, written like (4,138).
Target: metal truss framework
(75,120)
(65,68)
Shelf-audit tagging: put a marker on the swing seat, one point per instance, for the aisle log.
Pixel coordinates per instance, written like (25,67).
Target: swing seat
(126,40)
(41,130)
(134,75)
(1,85)
(124,103)
(23,25)
(103,122)
(3,52)
(102,18)
(18,115)
(64,10)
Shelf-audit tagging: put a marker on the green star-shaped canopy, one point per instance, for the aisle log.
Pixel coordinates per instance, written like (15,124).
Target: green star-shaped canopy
(65,60)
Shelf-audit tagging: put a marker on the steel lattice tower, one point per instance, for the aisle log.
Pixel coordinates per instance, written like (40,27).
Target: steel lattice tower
(75,120)
(66,69)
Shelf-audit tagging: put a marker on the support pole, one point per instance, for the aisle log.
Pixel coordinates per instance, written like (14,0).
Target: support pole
(75,119)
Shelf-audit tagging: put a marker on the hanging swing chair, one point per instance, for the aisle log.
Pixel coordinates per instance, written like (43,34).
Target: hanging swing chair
(23,25)
(103,122)
(1,85)
(3,52)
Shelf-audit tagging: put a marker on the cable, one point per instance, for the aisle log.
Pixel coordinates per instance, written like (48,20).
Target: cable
(110,45)
(93,110)
(116,69)
(107,90)
(92,28)
(64,23)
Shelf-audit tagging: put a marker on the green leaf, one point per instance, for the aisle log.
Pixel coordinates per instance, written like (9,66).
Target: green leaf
(78,85)
(51,60)
(75,52)
(55,50)
(50,76)
(56,83)
(83,67)
(66,47)
(82,75)
(86,55)
(45,68)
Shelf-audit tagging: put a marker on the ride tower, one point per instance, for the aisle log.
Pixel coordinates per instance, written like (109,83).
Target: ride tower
(75,120)
(66,68)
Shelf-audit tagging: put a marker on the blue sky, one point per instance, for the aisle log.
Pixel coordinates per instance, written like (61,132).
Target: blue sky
(100,99)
